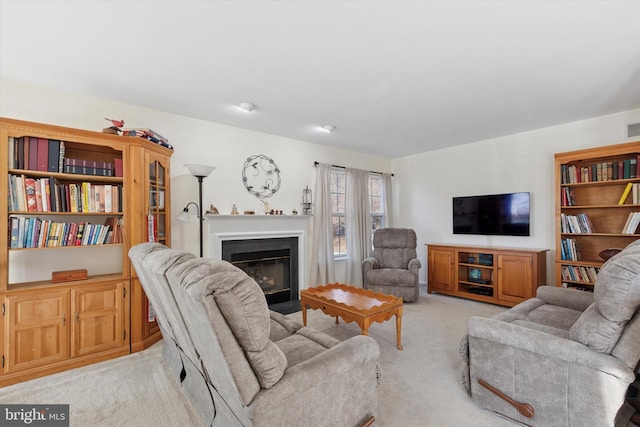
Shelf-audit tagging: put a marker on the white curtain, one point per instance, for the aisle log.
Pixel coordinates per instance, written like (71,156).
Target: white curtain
(387,195)
(358,223)
(322,268)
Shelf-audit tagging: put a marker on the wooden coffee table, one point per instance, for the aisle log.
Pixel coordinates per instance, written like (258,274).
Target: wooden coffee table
(353,305)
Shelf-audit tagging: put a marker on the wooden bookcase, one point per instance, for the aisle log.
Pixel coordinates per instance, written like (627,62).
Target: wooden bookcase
(47,325)
(589,214)
(503,276)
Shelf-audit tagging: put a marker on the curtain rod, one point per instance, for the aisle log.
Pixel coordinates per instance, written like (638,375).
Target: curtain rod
(315,164)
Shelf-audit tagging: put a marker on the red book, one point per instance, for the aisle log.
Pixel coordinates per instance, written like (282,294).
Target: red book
(33,153)
(118,166)
(39,207)
(43,154)
(30,191)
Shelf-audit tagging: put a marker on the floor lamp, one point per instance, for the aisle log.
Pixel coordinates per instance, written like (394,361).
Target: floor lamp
(200,172)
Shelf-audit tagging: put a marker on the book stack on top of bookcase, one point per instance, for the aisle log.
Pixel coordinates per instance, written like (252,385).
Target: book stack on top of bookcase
(597,209)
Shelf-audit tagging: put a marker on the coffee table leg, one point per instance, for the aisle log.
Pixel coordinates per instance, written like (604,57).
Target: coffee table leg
(399,328)
(364,325)
(304,313)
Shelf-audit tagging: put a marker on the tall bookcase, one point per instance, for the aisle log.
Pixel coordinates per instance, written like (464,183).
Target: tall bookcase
(591,213)
(82,181)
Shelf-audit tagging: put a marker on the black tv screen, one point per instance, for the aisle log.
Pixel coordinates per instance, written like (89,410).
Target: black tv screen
(493,214)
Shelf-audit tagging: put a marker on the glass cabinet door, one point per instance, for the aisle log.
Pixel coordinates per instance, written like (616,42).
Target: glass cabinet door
(157,227)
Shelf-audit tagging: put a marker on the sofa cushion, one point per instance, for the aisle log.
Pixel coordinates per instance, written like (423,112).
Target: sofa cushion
(616,299)
(268,364)
(554,316)
(595,331)
(617,288)
(305,344)
(391,277)
(244,307)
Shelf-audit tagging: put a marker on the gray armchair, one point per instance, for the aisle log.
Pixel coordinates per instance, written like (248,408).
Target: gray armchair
(241,364)
(564,358)
(393,266)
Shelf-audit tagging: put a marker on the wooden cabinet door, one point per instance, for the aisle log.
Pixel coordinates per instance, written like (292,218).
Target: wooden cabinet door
(515,277)
(98,318)
(441,270)
(37,329)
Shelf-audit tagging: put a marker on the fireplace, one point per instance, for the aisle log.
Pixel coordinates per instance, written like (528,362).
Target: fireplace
(272,263)
(246,231)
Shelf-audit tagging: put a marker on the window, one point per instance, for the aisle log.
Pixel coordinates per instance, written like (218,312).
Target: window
(338,203)
(337,212)
(376,204)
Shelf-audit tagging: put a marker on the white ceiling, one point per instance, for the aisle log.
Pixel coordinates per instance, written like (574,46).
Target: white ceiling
(394,77)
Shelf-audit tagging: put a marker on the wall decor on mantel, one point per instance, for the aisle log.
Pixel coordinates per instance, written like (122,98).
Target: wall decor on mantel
(261,176)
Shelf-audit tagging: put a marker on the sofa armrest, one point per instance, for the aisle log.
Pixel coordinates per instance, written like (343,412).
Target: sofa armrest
(370,263)
(564,297)
(546,345)
(341,380)
(414,266)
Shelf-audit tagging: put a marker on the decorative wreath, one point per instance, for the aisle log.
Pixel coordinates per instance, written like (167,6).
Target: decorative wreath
(261,176)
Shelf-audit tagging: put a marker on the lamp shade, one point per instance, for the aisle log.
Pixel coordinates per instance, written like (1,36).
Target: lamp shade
(200,170)
(183,216)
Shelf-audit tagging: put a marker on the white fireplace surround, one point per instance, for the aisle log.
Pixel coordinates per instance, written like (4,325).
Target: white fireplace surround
(242,227)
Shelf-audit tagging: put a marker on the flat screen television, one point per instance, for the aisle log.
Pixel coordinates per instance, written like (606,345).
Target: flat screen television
(492,214)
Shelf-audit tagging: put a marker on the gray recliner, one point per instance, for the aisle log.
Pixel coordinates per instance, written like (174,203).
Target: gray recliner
(393,266)
(241,364)
(564,358)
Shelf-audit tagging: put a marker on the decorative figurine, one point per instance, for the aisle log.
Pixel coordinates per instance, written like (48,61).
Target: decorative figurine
(267,209)
(212,210)
(115,129)
(234,210)
(306,201)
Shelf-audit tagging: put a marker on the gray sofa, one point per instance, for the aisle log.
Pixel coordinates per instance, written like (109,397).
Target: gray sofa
(569,355)
(393,266)
(241,364)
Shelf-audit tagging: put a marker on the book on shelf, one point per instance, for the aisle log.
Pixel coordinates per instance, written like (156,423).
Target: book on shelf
(30,191)
(33,153)
(31,232)
(577,224)
(625,193)
(43,155)
(88,167)
(54,155)
(20,154)
(12,151)
(628,168)
(569,250)
(631,225)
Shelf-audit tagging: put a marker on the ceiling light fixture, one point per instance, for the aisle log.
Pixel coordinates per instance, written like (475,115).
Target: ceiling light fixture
(328,128)
(247,106)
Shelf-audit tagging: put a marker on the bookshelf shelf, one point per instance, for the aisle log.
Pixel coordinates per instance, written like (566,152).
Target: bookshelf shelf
(599,185)
(106,314)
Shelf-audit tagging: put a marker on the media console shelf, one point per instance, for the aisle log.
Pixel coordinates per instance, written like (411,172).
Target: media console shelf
(503,276)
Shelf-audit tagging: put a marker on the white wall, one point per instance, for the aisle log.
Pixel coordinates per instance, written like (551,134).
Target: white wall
(425,183)
(195,141)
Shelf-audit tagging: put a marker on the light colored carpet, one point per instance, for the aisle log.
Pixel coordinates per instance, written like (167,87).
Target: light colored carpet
(420,384)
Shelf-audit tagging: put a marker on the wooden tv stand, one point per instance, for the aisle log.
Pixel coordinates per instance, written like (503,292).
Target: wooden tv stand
(503,276)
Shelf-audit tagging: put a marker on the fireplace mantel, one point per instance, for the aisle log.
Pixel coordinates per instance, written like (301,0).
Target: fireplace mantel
(241,227)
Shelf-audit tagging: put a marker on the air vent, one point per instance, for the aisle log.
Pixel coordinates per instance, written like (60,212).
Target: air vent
(633,130)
